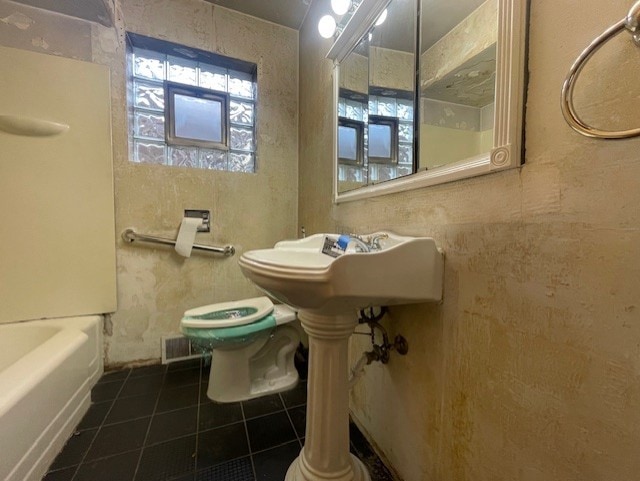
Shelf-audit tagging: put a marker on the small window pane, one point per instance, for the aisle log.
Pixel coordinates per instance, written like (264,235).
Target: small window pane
(373,104)
(240,84)
(405,153)
(241,139)
(347,143)
(149,96)
(149,152)
(241,162)
(405,109)
(213,78)
(183,156)
(405,132)
(402,171)
(380,141)
(149,125)
(182,71)
(386,107)
(148,64)
(213,159)
(342,108)
(198,119)
(354,110)
(350,173)
(241,112)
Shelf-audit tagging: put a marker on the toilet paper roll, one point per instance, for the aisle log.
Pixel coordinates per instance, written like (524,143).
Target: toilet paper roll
(186,235)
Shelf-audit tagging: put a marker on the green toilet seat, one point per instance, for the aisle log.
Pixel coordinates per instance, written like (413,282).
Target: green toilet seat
(228,323)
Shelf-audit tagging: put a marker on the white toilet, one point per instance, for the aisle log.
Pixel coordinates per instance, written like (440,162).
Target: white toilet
(252,347)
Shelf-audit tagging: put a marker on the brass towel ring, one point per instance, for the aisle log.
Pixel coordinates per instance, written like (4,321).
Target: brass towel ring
(632,24)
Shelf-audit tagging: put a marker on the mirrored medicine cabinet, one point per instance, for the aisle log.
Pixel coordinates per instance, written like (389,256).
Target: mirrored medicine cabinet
(432,94)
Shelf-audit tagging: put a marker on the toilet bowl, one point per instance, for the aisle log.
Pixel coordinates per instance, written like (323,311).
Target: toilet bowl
(252,344)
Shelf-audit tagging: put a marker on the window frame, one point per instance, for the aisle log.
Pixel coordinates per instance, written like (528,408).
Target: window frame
(358,125)
(393,123)
(173,88)
(238,152)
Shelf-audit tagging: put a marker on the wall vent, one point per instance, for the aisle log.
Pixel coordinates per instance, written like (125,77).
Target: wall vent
(177,348)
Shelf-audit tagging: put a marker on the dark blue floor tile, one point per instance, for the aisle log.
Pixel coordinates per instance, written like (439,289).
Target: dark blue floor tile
(214,415)
(128,408)
(118,438)
(188,364)
(110,376)
(142,386)
(295,396)
(269,431)
(152,370)
(221,444)
(298,417)
(272,465)
(65,474)
(75,449)
(235,470)
(168,460)
(262,405)
(121,467)
(171,399)
(175,379)
(95,415)
(172,424)
(106,391)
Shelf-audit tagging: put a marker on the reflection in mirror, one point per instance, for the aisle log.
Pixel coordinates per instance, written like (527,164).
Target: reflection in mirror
(353,118)
(377,95)
(457,80)
(465,118)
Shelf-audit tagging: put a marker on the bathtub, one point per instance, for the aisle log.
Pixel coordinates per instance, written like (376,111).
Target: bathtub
(47,369)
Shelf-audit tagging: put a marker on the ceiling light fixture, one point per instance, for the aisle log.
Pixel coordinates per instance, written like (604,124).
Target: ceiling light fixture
(327,26)
(381,18)
(340,7)
(344,9)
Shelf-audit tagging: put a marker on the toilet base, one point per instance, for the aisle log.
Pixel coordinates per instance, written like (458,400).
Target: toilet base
(264,366)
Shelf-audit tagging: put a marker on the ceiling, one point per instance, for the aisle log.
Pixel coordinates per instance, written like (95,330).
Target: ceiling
(438,16)
(289,13)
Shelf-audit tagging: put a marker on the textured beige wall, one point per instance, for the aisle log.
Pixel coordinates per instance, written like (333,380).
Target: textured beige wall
(155,286)
(470,37)
(529,370)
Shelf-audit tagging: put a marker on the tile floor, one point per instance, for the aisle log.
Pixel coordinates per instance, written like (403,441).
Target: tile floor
(156,423)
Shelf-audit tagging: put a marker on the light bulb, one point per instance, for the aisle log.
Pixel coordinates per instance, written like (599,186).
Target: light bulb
(327,26)
(340,7)
(381,18)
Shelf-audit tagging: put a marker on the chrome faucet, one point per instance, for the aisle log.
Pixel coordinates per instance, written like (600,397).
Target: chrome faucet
(374,241)
(361,245)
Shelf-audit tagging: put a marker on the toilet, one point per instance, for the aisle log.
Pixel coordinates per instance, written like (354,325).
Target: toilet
(252,344)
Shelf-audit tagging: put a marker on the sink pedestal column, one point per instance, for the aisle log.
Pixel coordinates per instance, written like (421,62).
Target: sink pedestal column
(325,455)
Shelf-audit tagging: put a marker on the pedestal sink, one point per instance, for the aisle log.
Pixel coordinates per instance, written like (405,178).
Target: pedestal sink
(328,292)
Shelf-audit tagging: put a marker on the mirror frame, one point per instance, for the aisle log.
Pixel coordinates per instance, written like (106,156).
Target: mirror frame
(508,132)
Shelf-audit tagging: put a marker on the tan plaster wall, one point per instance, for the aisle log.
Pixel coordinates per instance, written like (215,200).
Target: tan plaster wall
(530,368)
(470,37)
(155,285)
(392,69)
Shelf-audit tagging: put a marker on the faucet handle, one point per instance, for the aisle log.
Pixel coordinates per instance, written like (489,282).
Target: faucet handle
(374,241)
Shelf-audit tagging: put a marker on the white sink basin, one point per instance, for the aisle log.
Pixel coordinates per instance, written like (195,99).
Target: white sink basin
(404,270)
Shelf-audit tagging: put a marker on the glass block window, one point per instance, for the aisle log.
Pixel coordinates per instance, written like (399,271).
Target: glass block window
(402,110)
(190,108)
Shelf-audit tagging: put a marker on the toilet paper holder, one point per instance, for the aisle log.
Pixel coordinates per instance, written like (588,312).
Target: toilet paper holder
(205,215)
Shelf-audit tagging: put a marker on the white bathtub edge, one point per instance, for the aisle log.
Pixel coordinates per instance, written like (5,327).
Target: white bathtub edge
(85,333)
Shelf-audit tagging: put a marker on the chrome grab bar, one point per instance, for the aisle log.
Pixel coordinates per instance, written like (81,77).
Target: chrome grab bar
(130,236)
(632,24)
